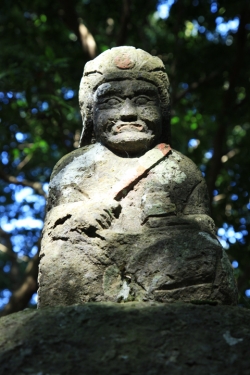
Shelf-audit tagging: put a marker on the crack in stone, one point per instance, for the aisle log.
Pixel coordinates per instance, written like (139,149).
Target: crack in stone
(61,220)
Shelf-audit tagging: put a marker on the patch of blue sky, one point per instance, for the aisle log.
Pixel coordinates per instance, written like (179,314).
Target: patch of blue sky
(10,223)
(224,243)
(44,106)
(46,187)
(193,143)
(234,197)
(163,8)
(223,28)
(7,267)
(4,157)
(5,96)
(214,7)
(27,223)
(4,297)
(235,264)
(33,300)
(243,220)
(4,100)
(67,93)
(23,194)
(228,234)
(20,137)
(34,250)
(25,208)
(202,29)
(247,293)
(209,154)
(20,95)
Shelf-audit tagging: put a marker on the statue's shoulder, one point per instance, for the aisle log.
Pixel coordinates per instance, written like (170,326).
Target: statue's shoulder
(185,163)
(67,159)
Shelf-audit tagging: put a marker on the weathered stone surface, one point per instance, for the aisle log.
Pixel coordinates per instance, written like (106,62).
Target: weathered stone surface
(157,243)
(128,217)
(103,70)
(130,338)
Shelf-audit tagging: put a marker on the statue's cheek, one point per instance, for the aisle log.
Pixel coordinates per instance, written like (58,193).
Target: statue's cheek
(103,116)
(104,120)
(151,114)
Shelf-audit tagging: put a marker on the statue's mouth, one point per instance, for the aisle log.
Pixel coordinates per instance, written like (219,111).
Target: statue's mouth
(128,127)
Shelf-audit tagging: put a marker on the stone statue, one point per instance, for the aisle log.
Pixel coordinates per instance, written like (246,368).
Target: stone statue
(128,217)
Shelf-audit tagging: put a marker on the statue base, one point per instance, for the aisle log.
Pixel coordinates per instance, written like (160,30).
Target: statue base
(127,338)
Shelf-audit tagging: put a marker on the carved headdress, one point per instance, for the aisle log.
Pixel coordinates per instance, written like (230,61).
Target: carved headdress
(116,64)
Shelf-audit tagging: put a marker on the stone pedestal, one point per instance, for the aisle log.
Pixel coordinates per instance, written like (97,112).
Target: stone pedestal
(127,338)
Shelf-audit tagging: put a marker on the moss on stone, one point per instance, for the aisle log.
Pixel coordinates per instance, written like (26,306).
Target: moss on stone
(129,338)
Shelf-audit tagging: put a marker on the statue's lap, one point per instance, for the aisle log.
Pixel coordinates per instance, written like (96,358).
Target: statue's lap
(165,264)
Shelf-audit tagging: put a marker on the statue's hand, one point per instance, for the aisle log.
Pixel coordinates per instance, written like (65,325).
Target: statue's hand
(97,215)
(81,217)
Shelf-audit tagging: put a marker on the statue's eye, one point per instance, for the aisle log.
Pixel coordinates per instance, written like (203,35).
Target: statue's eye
(112,101)
(141,100)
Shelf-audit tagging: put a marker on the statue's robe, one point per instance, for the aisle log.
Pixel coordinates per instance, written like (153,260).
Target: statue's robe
(161,244)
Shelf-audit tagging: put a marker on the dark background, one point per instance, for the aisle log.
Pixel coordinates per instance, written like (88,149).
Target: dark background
(205,46)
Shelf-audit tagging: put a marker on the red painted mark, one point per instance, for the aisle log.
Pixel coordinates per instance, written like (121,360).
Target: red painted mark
(124,61)
(123,186)
(165,149)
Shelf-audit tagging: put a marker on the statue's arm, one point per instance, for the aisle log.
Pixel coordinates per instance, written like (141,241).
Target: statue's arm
(197,210)
(191,197)
(84,218)
(70,205)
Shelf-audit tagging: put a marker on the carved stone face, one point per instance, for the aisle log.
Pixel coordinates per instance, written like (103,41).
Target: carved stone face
(127,115)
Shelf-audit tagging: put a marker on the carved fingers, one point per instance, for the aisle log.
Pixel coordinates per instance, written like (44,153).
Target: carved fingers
(101,216)
(81,217)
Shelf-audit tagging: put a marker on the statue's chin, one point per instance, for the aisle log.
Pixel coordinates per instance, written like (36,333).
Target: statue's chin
(130,142)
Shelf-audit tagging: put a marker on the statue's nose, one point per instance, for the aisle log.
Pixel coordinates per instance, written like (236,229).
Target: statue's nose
(128,111)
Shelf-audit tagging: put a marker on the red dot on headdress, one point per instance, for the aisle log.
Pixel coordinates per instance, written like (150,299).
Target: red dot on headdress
(124,61)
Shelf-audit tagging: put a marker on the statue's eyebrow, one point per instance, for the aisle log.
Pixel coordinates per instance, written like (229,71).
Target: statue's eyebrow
(116,90)
(108,91)
(146,90)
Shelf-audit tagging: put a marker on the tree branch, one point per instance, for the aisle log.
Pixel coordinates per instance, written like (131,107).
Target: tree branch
(88,41)
(194,86)
(37,186)
(21,297)
(7,248)
(224,117)
(75,24)
(125,17)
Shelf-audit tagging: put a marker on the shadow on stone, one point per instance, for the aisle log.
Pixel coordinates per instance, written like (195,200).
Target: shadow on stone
(124,339)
